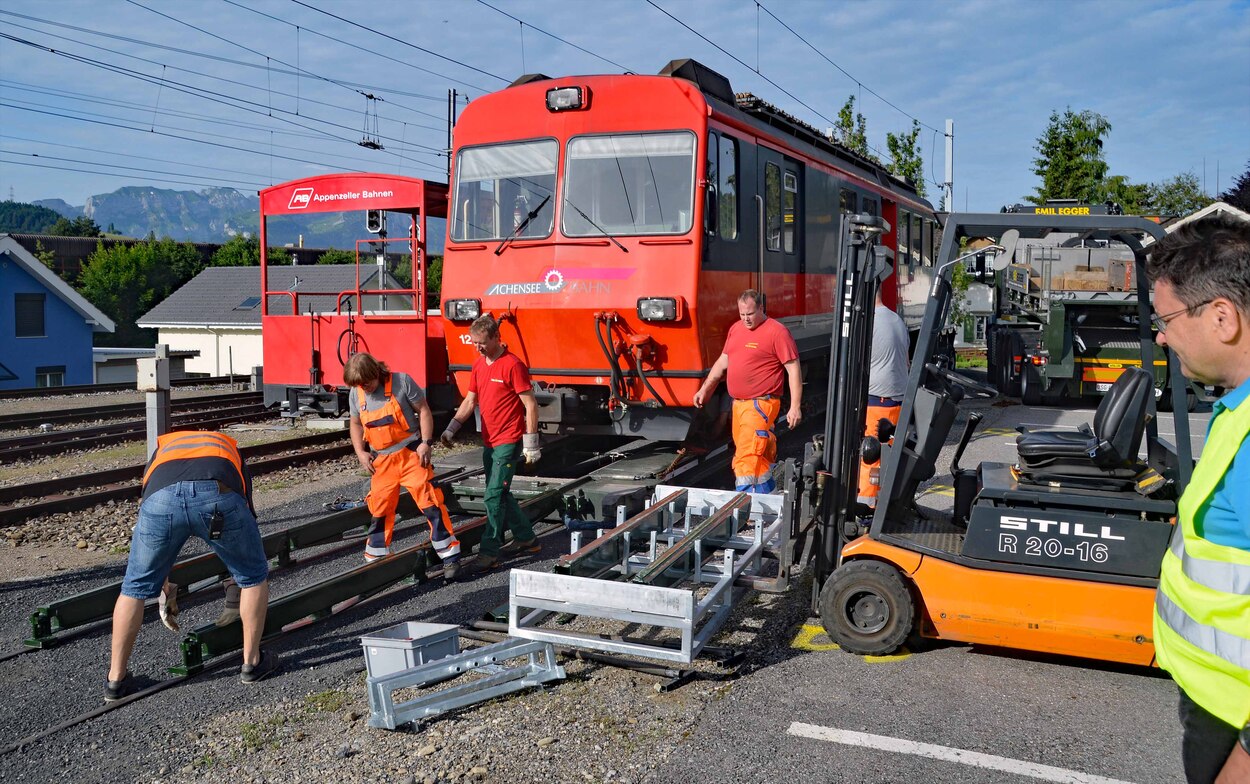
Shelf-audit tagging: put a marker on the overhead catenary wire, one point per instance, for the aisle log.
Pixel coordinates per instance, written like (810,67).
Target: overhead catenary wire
(127,168)
(534,27)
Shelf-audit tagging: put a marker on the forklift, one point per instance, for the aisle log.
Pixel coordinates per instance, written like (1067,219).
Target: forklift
(1057,553)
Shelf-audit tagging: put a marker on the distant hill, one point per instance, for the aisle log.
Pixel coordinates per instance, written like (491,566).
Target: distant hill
(61,206)
(209,215)
(20,218)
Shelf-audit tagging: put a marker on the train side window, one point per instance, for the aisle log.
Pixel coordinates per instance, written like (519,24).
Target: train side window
(848,201)
(869,207)
(916,255)
(727,187)
(790,203)
(772,206)
(904,226)
(926,246)
(712,179)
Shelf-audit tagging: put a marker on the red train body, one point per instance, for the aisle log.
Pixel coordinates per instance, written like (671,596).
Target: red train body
(610,222)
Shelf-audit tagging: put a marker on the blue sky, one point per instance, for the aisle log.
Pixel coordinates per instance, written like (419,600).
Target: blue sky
(1173,79)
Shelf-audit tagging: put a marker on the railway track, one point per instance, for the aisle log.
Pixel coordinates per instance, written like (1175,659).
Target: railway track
(91,389)
(56,442)
(123,483)
(31,421)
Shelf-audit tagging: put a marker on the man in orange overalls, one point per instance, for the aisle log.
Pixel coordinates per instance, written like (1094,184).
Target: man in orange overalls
(759,356)
(390,414)
(887,384)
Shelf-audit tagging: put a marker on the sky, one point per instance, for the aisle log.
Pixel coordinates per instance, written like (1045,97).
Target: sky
(100,94)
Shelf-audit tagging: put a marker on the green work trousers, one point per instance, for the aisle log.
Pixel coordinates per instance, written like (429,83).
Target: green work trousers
(502,510)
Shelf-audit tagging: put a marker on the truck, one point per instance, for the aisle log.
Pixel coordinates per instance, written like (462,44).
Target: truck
(1065,321)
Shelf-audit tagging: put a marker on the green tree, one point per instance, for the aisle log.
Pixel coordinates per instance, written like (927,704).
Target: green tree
(1070,158)
(127,281)
(1239,195)
(851,129)
(82,226)
(1133,198)
(1178,196)
(20,218)
(337,256)
(46,256)
(905,158)
(242,251)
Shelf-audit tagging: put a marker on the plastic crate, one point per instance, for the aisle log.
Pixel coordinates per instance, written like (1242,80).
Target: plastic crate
(407,645)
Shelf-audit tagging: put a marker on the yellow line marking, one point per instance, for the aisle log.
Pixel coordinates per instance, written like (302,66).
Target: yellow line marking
(997,431)
(939,490)
(812,637)
(806,639)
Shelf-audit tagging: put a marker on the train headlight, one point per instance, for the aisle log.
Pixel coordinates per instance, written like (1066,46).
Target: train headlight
(462,309)
(563,99)
(657,309)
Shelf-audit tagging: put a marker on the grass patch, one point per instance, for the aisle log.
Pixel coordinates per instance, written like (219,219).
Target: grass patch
(329,701)
(970,361)
(253,735)
(119,549)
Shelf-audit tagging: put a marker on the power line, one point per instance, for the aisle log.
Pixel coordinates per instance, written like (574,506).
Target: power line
(375,54)
(400,41)
(858,83)
(739,61)
(201,74)
(525,24)
(105,174)
(126,155)
(127,168)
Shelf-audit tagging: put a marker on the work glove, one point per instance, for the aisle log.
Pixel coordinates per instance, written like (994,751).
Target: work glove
(230,613)
(449,434)
(167,603)
(531,448)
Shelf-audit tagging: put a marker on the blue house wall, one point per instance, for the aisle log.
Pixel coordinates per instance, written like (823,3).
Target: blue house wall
(68,337)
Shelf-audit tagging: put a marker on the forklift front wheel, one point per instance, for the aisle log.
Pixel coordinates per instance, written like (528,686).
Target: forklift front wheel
(866,608)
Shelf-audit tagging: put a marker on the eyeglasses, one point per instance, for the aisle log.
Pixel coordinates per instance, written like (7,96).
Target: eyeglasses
(1161,322)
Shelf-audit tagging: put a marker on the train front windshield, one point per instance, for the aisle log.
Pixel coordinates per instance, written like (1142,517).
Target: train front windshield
(628,184)
(505,190)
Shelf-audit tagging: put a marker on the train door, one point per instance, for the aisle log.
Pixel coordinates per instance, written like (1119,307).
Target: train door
(779,211)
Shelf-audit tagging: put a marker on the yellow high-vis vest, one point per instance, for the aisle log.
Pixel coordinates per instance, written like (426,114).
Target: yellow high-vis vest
(1202,607)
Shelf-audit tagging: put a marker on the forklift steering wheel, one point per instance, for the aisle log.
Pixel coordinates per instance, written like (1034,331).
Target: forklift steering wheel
(980,390)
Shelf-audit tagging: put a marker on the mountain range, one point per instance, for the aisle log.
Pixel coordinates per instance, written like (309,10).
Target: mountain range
(211,215)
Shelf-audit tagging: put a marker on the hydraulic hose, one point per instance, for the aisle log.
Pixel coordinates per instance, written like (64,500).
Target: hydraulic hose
(615,370)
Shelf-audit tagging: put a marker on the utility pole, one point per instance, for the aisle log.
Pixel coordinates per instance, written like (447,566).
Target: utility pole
(949,186)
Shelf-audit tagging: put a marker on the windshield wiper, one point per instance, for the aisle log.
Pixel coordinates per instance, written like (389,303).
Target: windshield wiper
(602,230)
(520,227)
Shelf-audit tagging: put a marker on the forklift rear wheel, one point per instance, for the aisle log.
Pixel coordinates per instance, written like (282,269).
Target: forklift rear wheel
(866,608)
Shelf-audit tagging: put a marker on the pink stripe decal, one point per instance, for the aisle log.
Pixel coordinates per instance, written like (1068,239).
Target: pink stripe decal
(593,273)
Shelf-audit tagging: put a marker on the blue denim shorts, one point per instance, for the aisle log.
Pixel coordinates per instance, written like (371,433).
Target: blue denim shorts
(171,515)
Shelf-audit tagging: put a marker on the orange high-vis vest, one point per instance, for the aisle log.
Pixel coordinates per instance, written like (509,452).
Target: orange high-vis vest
(217,458)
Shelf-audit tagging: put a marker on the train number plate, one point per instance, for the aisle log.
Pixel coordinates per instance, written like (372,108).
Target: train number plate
(1102,386)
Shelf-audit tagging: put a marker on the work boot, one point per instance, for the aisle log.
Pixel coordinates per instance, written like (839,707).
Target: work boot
(527,547)
(489,563)
(451,567)
(266,666)
(116,690)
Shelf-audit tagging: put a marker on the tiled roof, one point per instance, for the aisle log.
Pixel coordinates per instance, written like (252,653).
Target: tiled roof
(230,296)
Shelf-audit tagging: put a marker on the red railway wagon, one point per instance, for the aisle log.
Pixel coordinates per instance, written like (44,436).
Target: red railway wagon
(610,222)
(309,332)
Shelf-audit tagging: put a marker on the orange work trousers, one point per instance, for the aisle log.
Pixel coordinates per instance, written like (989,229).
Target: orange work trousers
(867,490)
(390,472)
(755,446)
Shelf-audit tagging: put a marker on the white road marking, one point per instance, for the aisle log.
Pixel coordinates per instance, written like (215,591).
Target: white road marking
(948,754)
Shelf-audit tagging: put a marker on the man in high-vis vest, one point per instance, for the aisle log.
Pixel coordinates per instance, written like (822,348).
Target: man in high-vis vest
(195,484)
(392,430)
(1201,275)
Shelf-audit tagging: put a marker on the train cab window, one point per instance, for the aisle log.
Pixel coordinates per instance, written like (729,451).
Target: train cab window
(789,206)
(772,206)
(629,184)
(727,187)
(926,245)
(869,207)
(503,190)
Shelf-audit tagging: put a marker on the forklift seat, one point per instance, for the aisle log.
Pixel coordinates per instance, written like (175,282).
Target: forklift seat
(1107,450)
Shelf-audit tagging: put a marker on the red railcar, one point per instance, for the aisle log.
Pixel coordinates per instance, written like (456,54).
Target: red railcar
(610,222)
(313,317)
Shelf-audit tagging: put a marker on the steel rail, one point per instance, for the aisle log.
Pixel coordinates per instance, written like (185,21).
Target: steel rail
(90,389)
(33,419)
(321,446)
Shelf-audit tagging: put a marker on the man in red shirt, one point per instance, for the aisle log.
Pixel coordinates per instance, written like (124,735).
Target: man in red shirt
(759,355)
(499,385)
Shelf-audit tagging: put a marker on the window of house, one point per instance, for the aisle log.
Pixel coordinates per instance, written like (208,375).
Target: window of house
(248,304)
(28,310)
(51,376)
